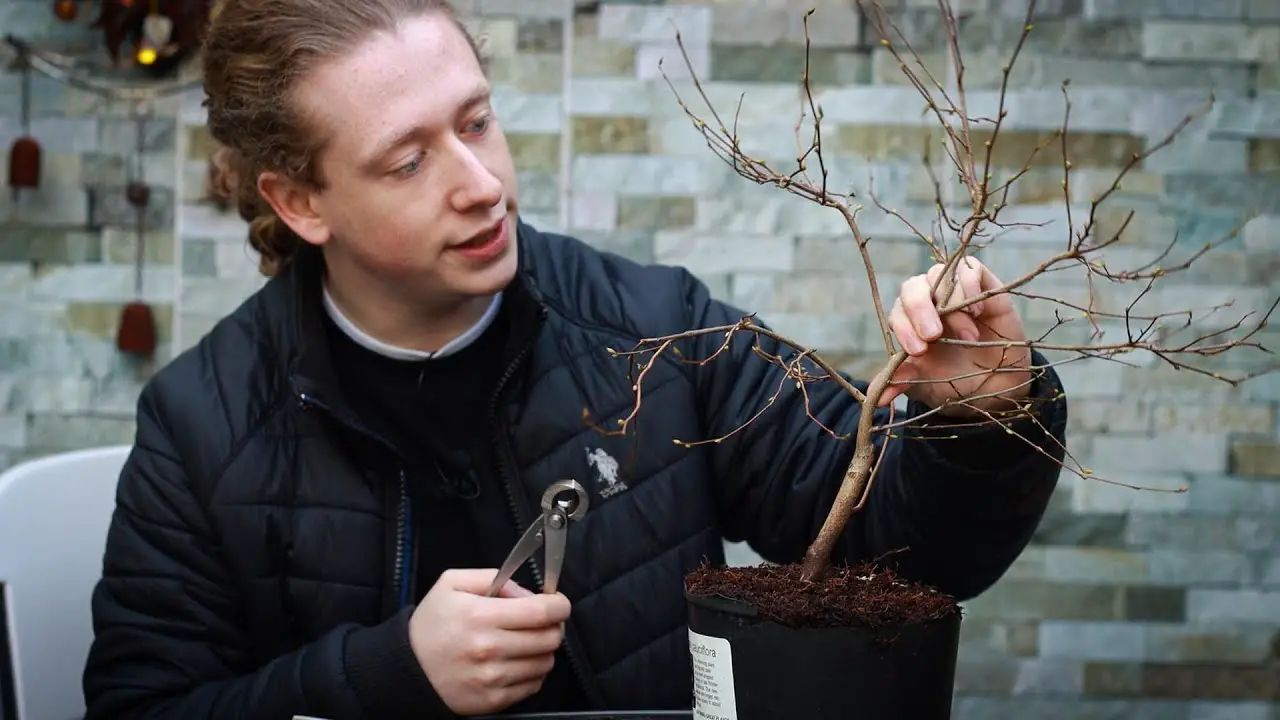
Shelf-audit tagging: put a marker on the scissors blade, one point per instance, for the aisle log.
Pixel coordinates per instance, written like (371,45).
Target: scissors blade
(524,549)
(555,537)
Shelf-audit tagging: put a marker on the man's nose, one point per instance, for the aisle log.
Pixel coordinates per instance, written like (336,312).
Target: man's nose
(473,183)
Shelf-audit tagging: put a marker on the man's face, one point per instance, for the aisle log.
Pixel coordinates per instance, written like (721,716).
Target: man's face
(420,186)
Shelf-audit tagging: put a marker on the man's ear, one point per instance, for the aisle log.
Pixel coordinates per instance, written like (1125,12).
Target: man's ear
(295,204)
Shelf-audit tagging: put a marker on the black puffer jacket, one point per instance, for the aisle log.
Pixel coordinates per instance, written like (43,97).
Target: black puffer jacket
(254,566)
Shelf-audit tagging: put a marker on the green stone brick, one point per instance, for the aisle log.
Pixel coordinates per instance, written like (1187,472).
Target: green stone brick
(1155,604)
(48,245)
(1112,679)
(786,64)
(540,35)
(610,135)
(535,151)
(655,213)
(529,72)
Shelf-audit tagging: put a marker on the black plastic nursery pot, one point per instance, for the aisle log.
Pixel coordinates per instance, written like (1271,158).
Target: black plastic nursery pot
(749,667)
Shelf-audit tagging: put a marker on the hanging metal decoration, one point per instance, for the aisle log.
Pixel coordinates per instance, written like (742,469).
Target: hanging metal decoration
(24,153)
(154,37)
(69,71)
(158,34)
(136,334)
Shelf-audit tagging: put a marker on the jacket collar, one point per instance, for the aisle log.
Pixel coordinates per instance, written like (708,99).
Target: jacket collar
(292,312)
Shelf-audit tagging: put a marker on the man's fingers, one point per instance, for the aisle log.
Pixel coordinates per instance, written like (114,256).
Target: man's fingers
(961,325)
(532,643)
(496,646)
(534,612)
(512,694)
(905,373)
(1000,303)
(513,589)
(915,320)
(477,582)
(902,329)
(969,281)
(968,275)
(468,580)
(917,301)
(516,672)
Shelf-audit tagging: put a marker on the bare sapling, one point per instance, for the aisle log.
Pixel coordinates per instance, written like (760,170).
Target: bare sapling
(973,193)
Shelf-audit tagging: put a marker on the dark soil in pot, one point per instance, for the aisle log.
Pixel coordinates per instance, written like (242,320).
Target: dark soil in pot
(859,643)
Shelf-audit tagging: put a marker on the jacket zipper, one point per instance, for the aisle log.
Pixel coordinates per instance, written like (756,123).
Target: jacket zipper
(399,585)
(398,579)
(517,501)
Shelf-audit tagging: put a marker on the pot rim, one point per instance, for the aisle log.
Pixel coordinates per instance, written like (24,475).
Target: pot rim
(723,604)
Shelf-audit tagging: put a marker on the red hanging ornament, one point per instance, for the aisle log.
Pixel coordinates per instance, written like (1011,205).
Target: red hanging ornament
(138,194)
(24,153)
(136,334)
(24,163)
(66,10)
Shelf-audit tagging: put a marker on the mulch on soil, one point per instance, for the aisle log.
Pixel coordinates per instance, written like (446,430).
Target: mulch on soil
(861,595)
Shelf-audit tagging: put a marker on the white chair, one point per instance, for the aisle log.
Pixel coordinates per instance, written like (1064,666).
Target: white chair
(54,514)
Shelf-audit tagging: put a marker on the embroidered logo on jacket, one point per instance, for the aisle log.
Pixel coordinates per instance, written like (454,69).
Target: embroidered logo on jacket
(606,470)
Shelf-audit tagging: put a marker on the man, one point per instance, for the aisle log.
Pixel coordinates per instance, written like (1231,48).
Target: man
(321,489)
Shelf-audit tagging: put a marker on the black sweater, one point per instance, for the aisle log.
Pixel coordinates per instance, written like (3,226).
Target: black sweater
(435,411)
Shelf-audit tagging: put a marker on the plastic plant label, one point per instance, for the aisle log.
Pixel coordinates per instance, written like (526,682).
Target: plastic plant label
(713,696)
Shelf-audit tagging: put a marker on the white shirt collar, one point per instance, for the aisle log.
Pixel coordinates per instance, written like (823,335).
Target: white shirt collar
(369,342)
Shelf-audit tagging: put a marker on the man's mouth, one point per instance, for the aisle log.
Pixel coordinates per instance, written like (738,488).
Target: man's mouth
(485,245)
(484,237)
(481,239)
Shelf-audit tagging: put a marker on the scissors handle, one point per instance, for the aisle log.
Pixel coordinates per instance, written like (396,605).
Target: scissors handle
(528,544)
(555,532)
